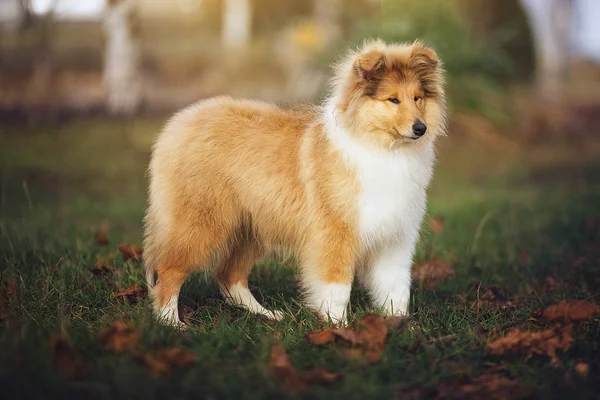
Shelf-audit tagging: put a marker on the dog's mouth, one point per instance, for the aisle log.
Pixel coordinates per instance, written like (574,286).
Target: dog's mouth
(403,138)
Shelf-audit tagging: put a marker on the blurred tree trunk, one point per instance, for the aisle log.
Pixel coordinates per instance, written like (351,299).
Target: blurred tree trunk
(26,14)
(550,22)
(237,23)
(122,77)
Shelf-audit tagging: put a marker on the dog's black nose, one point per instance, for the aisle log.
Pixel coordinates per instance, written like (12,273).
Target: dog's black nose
(419,128)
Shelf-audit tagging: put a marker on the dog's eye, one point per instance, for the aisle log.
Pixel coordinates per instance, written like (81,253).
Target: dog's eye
(417,98)
(394,100)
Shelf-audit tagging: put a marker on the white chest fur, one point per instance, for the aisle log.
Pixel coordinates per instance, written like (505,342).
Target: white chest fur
(393,183)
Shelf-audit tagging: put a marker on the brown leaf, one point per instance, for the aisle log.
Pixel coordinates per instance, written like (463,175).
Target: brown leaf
(164,361)
(282,368)
(64,356)
(177,358)
(431,272)
(582,368)
(133,293)
(130,251)
(101,267)
(153,365)
(492,297)
(101,234)
(119,337)
(545,343)
(436,224)
(320,375)
(489,386)
(373,337)
(10,295)
(321,337)
(185,314)
(571,310)
(369,339)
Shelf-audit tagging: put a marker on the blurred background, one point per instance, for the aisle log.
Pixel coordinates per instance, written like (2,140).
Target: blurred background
(63,57)
(86,86)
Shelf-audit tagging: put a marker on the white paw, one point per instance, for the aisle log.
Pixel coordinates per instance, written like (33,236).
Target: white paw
(169,315)
(274,315)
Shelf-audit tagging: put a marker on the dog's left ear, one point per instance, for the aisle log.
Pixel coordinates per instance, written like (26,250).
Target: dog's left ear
(426,63)
(423,58)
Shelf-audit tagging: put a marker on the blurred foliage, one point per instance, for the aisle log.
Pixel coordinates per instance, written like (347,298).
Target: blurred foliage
(478,66)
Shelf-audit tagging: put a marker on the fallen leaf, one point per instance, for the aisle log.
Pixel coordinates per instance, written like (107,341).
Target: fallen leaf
(368,339)
(10,295)
(153,365)
(119,337)
(321,337)
(582,368)
(130,252)
(489,386)
(101,267)
(373,336)
(133,293)
(436,224)
(101,234)
(492,297)
(185,314)
(545,343)
(571,310)
(64,356)
(164,361)
(282,368)
(431,272)
(320,375)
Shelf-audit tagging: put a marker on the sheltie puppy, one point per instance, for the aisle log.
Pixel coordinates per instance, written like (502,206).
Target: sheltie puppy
(342,186)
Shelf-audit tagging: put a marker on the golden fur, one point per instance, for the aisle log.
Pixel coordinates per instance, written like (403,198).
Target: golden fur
(231,179)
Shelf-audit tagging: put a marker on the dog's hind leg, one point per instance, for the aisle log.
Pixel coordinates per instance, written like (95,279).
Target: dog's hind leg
(232,276)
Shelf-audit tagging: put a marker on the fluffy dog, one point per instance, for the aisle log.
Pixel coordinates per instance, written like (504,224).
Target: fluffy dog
(342,186)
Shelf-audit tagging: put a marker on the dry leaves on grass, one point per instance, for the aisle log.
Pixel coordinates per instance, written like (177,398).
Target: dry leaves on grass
(545,343)
(133,293)
(489,386)
(130,252)
(282,368)
(431,272)
(436,224)
(163,362)
(10,295)
(123,338)
(101,234)
(368,340)
(571,310)
(120,337)
(491,297)
(101,267)
(64,356)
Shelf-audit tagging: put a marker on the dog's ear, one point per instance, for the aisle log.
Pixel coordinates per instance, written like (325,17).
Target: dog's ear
(369,65)
(427,65)
(424,56)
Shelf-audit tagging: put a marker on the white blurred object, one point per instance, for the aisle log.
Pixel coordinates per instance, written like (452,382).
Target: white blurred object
(586,29)
(122,75)
(551,24)
(237,21)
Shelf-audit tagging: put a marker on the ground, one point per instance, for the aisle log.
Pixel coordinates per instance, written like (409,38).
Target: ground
(519,223)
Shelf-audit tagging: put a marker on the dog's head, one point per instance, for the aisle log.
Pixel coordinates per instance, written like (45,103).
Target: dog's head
(391,95)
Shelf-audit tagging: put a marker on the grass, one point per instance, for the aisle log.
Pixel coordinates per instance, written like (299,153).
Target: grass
(513,216)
